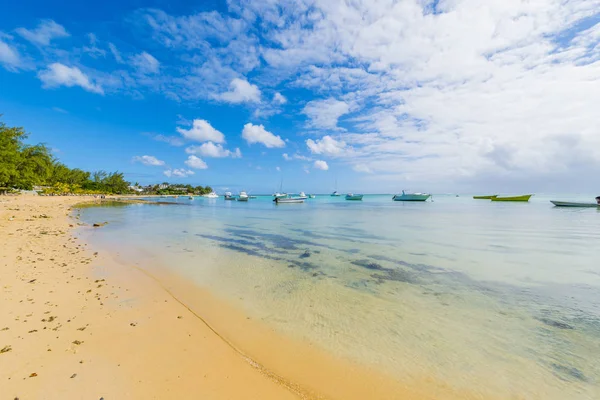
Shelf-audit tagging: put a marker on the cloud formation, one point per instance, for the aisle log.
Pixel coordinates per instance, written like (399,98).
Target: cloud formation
(320,164)
(46,31)
(195,162)
(202,131)
(145,63)
(148,160)
(9,56)
(240,91)
(327,146)
(58,74)
(325,113)
(209,149)
(179,173)
(258,134)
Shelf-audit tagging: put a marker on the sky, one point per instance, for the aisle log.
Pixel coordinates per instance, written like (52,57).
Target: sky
(372,96)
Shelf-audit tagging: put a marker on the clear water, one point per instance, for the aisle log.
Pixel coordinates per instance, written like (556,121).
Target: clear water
(494,298)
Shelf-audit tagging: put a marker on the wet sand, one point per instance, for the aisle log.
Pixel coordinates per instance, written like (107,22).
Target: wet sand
(77,324)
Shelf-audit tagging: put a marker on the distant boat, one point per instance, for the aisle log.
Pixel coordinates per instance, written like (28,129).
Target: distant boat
(335,194)
(302,196)
(229,196)
(485,197)
(211,195)
(411,196)
(524,197)
(191,197)
(251,197)
(288,200)
(573,204)
(351,196)
(243,196)
(280,194)
(311,196)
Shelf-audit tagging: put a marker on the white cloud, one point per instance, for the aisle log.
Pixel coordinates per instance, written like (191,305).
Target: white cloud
(327,146)
(258,134)
(116,54)
(180,173)
(320,164)
(286,157)
(9,56)
(61,75)
(278,98)
(240,91)
(296,156)
(148,160)
(93,50)
(46,31)
(145,63)
(277,169)
(209,149)
(195,162)
(202,131)
(325,113)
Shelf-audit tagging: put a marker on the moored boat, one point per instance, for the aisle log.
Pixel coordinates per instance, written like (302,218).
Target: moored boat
(211,195)
(311,196)
(411,196)
(351,196)
(485,197)
(524,197)
(243,196)
(288,200)
(229,196)
(335,194)
(573,204)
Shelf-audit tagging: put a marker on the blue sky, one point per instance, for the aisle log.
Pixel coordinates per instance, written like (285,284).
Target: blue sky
(442,96)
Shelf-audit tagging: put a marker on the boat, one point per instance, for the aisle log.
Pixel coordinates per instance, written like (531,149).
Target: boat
(288,200)
(351,196)
(485,197)
(191,197)
(251,197)
(524,197)
(211,195)
(573,204)
(243,196)
(280,194)
(302,195)
(335,194)
(311,196)
(411,196)
(229,196)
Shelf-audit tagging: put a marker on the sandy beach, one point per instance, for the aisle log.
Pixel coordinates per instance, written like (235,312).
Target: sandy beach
(74,325)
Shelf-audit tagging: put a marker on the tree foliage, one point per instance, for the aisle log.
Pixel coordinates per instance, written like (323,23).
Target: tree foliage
(23,166)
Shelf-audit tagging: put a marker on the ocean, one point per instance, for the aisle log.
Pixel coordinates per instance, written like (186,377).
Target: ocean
(491,298)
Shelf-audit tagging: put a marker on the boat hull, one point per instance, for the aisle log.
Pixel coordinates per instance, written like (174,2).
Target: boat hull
(242,199)
(573,204)
(288,201)
(485,197)
(355,197)
(523,198)
(411,197)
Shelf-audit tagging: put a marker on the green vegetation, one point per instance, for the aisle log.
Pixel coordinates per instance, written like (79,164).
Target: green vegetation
(24,166)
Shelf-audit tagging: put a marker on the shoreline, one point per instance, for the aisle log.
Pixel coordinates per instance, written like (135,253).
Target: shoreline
(148,334)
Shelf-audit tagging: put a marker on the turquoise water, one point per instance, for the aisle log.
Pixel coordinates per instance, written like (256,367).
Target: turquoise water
(495,298)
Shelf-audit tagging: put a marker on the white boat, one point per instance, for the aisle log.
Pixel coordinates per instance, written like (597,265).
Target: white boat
(335,194)
(191,197)
(311,196)
(352,196)
(278,195)
(288,200)
(573,204)
(211,195)
(411,196)
(229,196)
(302,196)
(243,196)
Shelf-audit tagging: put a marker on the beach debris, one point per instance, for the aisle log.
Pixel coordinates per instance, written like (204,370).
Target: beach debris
(179,317)
(99,224)
(306,254)
(73,376)
(133,324)
(31,281)
(5,349)
(77,342)
(32,375)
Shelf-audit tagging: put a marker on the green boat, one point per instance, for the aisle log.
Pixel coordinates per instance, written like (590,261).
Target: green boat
(524,197)
(351,196)
(485,197)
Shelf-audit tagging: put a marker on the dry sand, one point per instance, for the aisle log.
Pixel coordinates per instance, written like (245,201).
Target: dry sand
(75,324)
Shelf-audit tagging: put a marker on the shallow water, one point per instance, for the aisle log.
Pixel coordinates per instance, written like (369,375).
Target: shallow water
(494,298)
